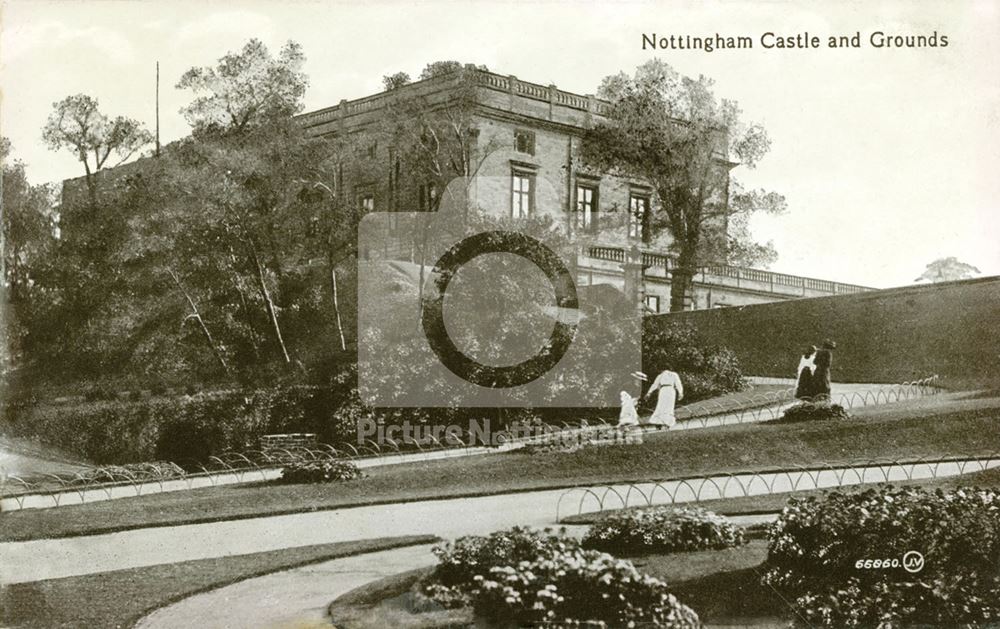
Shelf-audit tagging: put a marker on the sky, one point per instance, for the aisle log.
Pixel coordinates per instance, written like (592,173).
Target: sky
(888,158)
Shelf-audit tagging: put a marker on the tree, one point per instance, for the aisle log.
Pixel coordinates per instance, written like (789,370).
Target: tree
(243,113)
(26,239)
(437,144)
(26,217)
(394,81)
(737,246)
(216,263)
(246,89)
(76,123)
(439,68)
(947,270)
(248,189)
(673,133)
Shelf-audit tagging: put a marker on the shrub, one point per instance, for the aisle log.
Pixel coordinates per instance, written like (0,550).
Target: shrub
(466,557)
(662,529)
(327,471)
(705,369)
(575,587)
(810,412)
(819,548)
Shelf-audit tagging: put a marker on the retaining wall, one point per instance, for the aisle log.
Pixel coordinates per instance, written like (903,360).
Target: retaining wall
(893,335)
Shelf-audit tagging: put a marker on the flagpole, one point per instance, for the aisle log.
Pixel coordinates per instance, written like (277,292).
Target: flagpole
(157,108)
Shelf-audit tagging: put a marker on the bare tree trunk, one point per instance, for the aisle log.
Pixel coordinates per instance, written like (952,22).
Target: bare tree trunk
(89,180)
(681,282)
(196,315)
(336,306)
(680,288)
(248,313)
(420,281)
(271,310)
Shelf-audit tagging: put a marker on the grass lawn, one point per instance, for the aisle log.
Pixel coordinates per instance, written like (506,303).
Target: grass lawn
(21,457)
(122,597)
(390,602)
(722,586)
(940,425)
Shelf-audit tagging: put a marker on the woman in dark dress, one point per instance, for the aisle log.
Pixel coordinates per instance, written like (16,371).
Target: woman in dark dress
(821,377)
(803,387)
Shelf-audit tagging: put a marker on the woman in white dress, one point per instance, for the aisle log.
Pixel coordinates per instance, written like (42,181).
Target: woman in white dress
(669,390)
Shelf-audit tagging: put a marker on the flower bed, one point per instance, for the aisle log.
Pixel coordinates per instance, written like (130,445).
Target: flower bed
(843,557)
(524,576)
(574,588)
(319,472)
(460,561)
(662,529)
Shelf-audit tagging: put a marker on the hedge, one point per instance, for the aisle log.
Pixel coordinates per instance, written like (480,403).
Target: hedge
(181,428)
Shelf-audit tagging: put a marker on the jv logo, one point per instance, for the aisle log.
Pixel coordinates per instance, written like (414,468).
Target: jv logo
(913,561)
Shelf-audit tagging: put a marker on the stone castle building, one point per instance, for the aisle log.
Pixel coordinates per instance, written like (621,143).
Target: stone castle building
(523,145)
(522,157)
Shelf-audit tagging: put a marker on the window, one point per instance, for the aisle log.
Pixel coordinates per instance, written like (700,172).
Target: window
(372,149)
(522,194)
(586,207)
(524,141)
(428,197)
(638,208)
(652,302)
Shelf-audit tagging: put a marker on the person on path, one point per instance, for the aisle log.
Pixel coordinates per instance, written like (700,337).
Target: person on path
(807,368)
(821,377)
(669,391)
(628,416)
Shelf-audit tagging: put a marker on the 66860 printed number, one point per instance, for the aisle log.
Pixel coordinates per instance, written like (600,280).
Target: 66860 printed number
(912,562)
(876,564)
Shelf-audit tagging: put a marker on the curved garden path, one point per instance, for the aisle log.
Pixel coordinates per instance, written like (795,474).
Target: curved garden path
(299,598)
(295,598)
